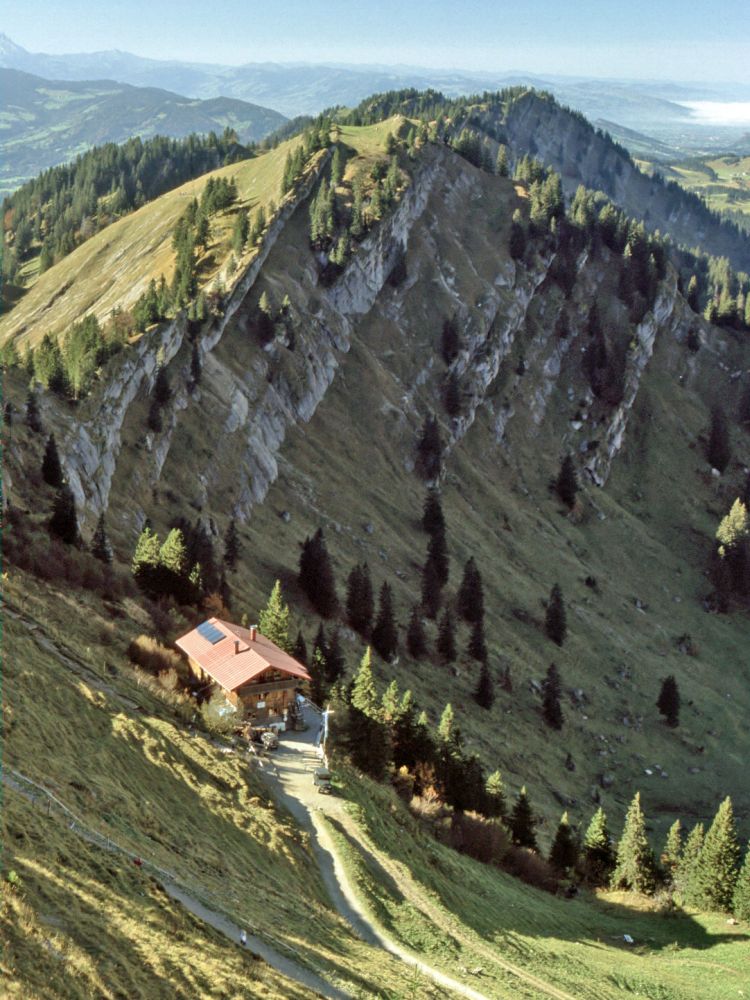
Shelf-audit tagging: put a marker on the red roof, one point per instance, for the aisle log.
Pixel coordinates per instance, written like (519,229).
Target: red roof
(238,658)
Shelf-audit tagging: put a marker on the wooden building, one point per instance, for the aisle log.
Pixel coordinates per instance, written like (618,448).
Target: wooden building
(253,672)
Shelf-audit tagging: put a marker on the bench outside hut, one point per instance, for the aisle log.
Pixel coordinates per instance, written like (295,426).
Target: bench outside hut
(254,674)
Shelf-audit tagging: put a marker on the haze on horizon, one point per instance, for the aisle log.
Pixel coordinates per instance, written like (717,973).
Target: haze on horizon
(698,42)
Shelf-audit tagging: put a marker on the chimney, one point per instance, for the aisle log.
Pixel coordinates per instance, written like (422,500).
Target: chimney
(253,633)
(236,646)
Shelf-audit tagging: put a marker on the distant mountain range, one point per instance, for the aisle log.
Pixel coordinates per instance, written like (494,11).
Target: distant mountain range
(653,108)
(46,122)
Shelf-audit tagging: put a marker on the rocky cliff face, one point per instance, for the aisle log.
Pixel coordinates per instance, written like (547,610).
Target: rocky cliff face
(570,146)
(221,442)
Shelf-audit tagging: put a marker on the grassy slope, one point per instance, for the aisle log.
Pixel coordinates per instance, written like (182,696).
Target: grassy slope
(116,756)
(452,907)
(115,266)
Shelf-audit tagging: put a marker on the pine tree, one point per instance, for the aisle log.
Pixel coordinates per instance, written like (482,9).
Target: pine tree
(51,468)
(364,695)
(334,658)
(446,639)
(432,513)
(384,635)
(719,451)
(173,554)
(437,555)
(450,342)
(33,420)
(446,726)
(495,805)
(670,857)
(359,600)
(686,873)
(316,575)
(477,645)
(431,589)
(501,164)
(231,545)
(273,621)
(146,556)
(668,701)
(555,624)
(299,651)
(522,822)
(390,703)
(470,596)
(597,857)
(741,900)
(717,871)
(566,484)
(634,867)
(484,693)
(563,854)
(429,449)
(551,709)
(100,546)
(63,523)
(416,639)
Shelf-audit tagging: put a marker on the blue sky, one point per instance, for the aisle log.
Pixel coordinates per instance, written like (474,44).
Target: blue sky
(687,40)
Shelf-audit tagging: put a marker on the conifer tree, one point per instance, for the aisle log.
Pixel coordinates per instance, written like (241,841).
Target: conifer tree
(634,866)
(717,870)
(432,513)
(317,671)
(429,449)
(334,657)
(471,594)
(555,623)
(501,164)
(551,709)
(273,621)
(316,575)
(359,600)
(390,703)
(384,635)
(495,806)
(431,590)
(484,693)
(741,900)
(719,450)
(597,857)
(477,645)
(364,695)
(416,639)
(437,556)
(320,641)
(299,651)
(563,854)
(51,468)
(146,556)
(446,725)
(668,701)
(685,876)
(446,638)
(522,822)
(63,523)
(566,484)
(670,857)
(33,420)
(100,546)
(450,342)
(231,545)
(173,553)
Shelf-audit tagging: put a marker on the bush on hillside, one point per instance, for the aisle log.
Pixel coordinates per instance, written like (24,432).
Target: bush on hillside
(156,659)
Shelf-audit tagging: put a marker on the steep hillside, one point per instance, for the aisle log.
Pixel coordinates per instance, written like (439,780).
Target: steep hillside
(46,122)
(315,425)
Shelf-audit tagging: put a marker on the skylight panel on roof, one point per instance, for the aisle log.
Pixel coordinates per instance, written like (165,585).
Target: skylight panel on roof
(210,632)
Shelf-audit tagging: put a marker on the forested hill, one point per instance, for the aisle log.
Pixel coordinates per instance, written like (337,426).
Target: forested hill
(46,122)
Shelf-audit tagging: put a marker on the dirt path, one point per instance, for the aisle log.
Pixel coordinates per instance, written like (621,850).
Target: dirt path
(292,777)
(39,796)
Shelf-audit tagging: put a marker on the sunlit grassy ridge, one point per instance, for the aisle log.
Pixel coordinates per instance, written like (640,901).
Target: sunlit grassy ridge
(724,181)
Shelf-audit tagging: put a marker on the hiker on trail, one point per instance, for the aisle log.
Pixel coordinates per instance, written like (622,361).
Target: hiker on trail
(243,938)
(137,862)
